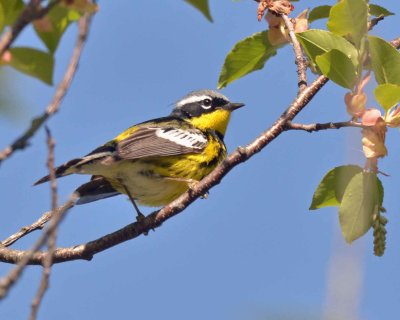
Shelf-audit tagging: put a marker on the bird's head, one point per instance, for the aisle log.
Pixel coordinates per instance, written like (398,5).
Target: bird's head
(206,109)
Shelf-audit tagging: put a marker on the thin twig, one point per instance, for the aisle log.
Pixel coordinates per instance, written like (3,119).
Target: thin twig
(300,61)
(62,89)
(26,256)
(37,225)
(322,126)
(51,241)
(375,21)
(31,12)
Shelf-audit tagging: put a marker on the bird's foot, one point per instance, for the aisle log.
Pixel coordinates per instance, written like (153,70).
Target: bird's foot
(140,216)
(192,184)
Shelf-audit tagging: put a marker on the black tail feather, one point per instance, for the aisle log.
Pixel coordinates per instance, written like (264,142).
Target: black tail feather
(96,189)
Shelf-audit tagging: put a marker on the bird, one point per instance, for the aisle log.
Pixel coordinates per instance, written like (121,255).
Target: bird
(156,161)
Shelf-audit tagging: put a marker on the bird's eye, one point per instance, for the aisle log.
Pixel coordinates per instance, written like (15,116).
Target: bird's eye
(206,103)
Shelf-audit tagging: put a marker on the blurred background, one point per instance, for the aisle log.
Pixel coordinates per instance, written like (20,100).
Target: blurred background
(252,250)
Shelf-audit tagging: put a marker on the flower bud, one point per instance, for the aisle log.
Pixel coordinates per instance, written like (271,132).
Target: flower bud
(7,57)
(278,33)
(273,19)
(301,22)
(355,103)
(280,7)
(392,117)
(373,140)
(373,145)
(371,117)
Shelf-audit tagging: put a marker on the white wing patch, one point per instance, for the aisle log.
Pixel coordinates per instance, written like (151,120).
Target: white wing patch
(183,137)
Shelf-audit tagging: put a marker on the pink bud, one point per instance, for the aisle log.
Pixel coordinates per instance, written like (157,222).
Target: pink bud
(371,117)
(7,57)
(355,103)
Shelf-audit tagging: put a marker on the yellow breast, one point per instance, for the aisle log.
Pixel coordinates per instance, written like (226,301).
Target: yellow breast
(151,181)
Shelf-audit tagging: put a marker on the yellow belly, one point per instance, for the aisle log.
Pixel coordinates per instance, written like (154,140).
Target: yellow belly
(151,181)
(148,188)
(152,184)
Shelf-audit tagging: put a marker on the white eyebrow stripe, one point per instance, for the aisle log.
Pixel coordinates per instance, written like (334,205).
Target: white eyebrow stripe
(192,99)
(189,141)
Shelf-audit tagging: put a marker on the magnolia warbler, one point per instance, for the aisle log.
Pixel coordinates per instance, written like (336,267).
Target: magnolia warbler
(156,161)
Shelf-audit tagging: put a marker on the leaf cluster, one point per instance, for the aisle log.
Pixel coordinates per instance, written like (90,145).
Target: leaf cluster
(358,194)
(344,53)
(49,28)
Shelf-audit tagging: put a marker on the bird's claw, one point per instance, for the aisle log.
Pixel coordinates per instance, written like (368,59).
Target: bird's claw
(205,196)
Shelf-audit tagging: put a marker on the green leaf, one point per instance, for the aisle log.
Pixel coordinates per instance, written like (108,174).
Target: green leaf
(317,42)
(202,6)
(385,61)
(338,67)
(362,198)
(246,56)
(387,95)
(33,62)
(12,9)
(332,186)
(2,18)
(320,12)
(52,26)
(349,18)
(377,11)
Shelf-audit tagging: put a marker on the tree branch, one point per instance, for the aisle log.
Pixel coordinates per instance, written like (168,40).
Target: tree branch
(300,61)
(375,21)
(24,257)
(322,126)
(61,91)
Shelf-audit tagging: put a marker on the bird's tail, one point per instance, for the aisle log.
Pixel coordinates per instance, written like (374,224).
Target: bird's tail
(96,189)
(75,165)
(61,171)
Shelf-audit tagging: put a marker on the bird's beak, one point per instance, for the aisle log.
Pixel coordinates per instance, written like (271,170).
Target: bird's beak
(232,106)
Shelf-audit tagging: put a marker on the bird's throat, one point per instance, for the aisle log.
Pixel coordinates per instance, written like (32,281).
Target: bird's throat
(217,121)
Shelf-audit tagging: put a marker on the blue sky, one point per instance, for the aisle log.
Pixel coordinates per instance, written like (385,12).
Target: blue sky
(252,250)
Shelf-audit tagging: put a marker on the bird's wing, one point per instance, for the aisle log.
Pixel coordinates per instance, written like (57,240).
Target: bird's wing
(157,141)
(148,139)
